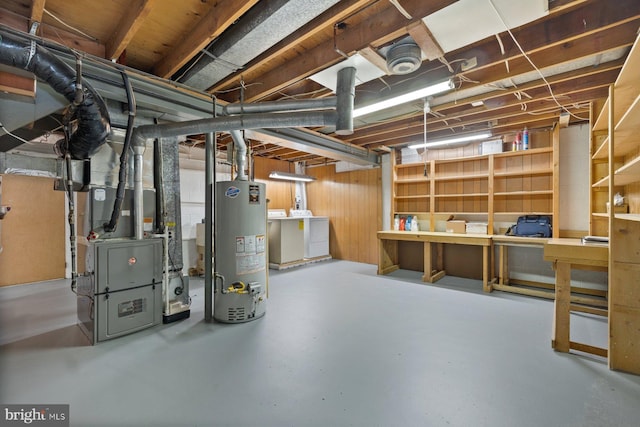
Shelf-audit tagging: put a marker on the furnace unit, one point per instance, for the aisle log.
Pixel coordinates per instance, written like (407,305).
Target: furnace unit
(122,290)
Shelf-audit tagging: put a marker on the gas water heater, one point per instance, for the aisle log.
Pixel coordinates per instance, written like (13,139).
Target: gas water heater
(240,251)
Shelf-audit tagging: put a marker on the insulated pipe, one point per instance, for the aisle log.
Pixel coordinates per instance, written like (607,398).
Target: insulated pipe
(273,106)
(92,113)
(241,154)
(138,152)
(122,173)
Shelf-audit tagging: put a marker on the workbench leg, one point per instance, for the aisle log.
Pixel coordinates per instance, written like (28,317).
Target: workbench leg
(561,322)
(504,265)
(485,269)
(426,277)
(492,263)
(387,256)
(440,256)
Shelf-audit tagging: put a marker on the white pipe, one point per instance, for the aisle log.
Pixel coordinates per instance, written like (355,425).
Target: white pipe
(165,276)
(138,152)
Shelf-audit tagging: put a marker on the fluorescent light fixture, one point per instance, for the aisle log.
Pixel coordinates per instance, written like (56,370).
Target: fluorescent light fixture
(291,176)
(403,99)
(448,141)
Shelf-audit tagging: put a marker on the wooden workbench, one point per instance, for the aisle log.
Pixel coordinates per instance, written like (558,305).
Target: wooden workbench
(568,254)
(388,251)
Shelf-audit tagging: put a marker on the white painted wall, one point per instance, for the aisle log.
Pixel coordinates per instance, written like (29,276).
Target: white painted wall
(574,178)
(386,191)
(192,197)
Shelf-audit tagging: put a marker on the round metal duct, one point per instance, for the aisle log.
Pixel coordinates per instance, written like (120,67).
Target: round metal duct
(404,58)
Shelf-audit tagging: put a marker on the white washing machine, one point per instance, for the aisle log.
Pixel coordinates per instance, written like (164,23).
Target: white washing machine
(286,237)
(316,233)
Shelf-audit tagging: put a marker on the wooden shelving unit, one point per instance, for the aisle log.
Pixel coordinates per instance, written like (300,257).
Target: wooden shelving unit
(615,167)
(485,186)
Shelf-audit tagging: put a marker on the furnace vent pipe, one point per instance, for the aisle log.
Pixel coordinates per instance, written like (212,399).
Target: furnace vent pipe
(92,113)
(273,106)
(229,123)
(341,118)
(138,153)
(241,153)
(345,98)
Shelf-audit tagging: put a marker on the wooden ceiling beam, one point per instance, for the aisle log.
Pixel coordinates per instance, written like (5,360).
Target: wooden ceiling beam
(128,25)
(503,127)
(561,84)
(532,107)
(608,40)
(373,56)
(353,38)
(423,37)
(37,10)
(594,24)
(324,22)
(223,13)
(55,34)
(414,127)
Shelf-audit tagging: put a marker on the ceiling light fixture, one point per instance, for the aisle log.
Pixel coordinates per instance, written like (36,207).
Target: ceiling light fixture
(403,99)
(286,176)
(450,141)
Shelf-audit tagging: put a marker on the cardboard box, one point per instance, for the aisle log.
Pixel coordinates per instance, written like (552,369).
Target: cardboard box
(477,227)
(456,226)
(624,208)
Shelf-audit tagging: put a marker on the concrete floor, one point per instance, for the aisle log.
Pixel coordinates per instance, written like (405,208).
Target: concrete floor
(339,346)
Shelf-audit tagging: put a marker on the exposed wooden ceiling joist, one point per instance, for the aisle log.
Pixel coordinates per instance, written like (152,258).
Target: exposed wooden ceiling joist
(579,39)
(219,18)
(127,27)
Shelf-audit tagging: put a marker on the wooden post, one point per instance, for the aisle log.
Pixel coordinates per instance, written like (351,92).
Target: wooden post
(485,269)
(561,323)
(426,277)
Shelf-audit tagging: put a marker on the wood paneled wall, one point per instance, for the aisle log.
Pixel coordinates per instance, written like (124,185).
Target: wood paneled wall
(33,232)
(281,194)
(353,202)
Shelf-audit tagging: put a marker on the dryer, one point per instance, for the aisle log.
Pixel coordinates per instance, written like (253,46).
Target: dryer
(316,233)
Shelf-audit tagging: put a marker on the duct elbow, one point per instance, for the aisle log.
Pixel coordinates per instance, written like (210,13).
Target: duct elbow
(93,116)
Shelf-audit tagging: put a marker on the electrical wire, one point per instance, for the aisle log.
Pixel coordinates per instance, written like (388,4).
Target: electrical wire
(233,89)
(69,26)
(553,96)
(13,135)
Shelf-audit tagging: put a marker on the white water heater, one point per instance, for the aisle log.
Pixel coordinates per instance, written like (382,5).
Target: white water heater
(240,251)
